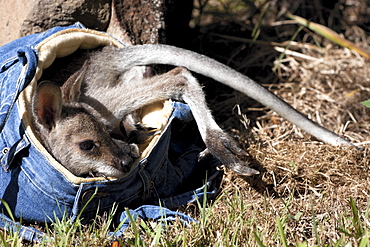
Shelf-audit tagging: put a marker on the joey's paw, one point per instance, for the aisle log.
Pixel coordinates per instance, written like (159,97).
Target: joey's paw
(236,165)
(242,169)
(203,154)
(97,174)
(226,150)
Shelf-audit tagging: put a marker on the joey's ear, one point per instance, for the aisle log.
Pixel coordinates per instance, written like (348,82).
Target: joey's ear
(47,104)
(71,89)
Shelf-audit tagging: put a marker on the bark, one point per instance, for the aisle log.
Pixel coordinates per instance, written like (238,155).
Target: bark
(132,21)
(45,14)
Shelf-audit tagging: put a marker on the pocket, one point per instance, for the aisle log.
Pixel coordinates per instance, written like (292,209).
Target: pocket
(15,74)
(8,154)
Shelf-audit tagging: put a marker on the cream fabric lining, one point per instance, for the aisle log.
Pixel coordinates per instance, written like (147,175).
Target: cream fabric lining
(63,44)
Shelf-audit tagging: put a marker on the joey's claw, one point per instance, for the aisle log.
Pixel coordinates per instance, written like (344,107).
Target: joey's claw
(97,174)
(203,154)
(91,174)
(235,166)
(226,149)
(242,169)
(233,163)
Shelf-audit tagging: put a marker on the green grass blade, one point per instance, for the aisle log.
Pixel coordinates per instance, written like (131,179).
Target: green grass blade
(329,34)
(364,242)
(366,103)
(157,237)
(6,205)
(138,240)
(256,29)
(282,55)
(87,203)
(3,242)
(281,232)
(356,219)
(314,224)
(304,244)
(258,240)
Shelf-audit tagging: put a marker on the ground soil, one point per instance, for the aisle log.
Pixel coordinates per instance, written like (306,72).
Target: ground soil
(319,78)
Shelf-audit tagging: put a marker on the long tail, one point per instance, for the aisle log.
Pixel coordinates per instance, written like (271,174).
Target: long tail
(165,54)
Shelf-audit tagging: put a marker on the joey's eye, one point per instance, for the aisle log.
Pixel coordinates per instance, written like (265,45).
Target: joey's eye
(87,145)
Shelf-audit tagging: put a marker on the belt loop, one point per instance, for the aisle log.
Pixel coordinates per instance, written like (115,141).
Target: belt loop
(147,183)
(76,204)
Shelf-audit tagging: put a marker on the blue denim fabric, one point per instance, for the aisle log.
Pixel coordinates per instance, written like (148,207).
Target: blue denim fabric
(36,191)
(157,213)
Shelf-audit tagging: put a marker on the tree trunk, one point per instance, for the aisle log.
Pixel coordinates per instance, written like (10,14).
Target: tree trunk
(133,21)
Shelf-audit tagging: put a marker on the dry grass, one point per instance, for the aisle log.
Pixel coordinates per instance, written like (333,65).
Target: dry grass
(308,193)
(317,194)
(306,181)
(311,188)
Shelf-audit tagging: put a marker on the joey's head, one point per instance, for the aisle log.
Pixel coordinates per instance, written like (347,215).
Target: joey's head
(76,138)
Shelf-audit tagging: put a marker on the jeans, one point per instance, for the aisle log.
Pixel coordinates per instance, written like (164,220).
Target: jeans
(35,190)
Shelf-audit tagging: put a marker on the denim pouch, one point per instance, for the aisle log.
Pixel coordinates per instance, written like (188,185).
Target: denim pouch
(37,188)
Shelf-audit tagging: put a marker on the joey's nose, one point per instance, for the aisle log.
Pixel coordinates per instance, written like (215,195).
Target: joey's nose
(126,165)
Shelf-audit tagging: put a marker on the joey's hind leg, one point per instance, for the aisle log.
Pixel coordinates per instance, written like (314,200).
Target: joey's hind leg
(217,141)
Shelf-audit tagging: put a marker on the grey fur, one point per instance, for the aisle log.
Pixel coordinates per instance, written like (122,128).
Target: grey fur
(123,59)
(113,84)
(71,132)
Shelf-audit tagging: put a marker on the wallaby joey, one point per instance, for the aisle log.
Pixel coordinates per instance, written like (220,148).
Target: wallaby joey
(110,88)
(128,91)
(72,133)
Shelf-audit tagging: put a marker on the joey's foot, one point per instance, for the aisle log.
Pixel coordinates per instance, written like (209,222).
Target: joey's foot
(225,149)
(97,174)
(204,154)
